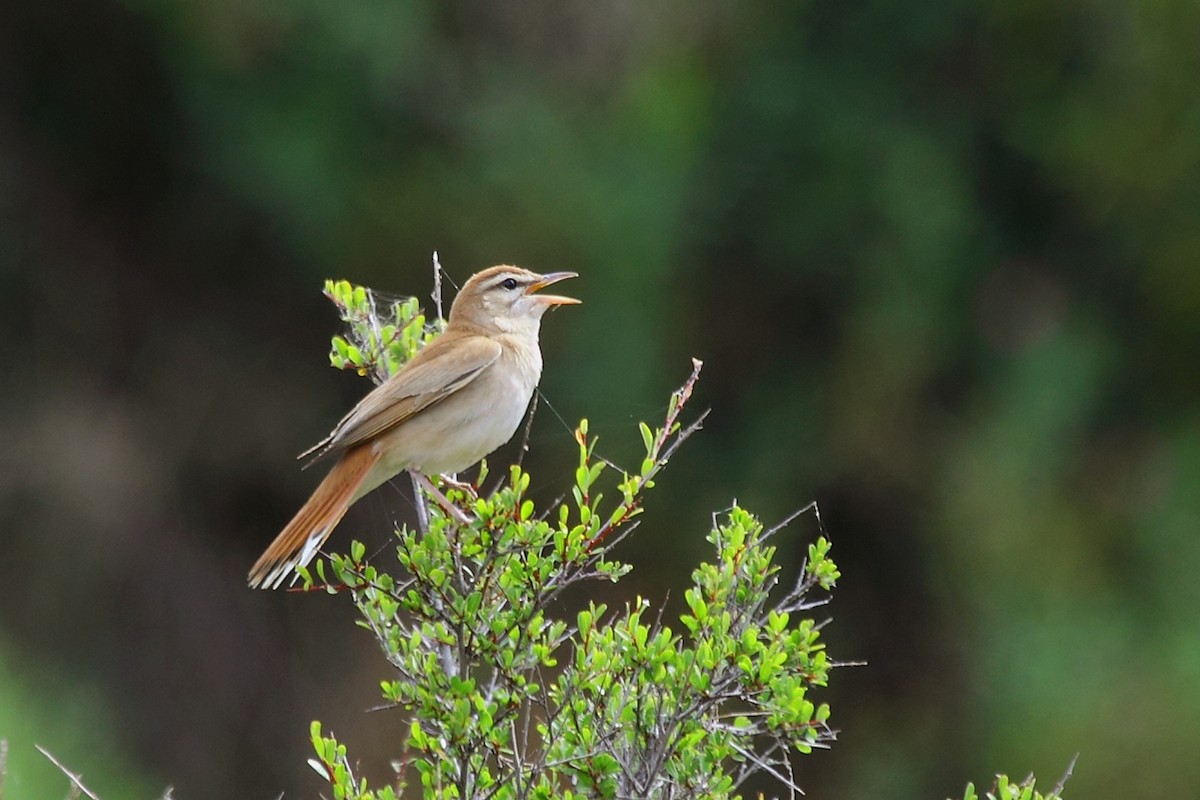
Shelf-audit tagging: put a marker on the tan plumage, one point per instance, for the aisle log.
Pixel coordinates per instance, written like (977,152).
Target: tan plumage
(460,398)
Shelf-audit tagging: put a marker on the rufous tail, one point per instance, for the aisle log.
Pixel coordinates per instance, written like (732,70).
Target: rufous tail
(297,543)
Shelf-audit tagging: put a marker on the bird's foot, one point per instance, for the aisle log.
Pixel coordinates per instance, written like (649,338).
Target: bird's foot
(466,487)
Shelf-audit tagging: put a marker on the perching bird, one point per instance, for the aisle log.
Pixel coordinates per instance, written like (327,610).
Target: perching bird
(462,396)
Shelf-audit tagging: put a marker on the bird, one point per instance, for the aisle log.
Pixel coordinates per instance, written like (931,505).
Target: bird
(460,397)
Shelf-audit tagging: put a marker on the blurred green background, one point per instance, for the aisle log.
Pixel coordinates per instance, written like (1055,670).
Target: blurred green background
(942,262)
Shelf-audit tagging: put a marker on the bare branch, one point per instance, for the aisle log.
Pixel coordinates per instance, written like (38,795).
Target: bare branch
(1062,782)
(790,518)
(769,768)
(74,778)
(437,285)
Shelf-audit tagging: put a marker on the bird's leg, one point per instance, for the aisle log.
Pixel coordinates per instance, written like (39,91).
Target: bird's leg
(451,479)
(451,509)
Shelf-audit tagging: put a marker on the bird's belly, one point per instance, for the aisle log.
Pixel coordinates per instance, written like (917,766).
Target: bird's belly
(457,432)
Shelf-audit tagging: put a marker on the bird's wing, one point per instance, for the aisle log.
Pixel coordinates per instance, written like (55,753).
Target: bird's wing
(439,370)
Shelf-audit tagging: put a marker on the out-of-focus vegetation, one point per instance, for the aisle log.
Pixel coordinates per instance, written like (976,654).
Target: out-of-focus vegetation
(941,262)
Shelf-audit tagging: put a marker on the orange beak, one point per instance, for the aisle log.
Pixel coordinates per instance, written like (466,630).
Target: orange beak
(546,280)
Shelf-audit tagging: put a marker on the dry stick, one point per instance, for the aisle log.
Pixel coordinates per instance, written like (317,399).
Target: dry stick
(790,518)
(420,503)
(380,373)
(533,405)
(3,764)
(436,297)
(75,779)
(437,284)
(1058,787)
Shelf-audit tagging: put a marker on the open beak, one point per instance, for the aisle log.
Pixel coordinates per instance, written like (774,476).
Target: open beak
(546,280)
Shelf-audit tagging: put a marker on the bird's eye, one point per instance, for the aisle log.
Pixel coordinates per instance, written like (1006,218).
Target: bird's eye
(509,284)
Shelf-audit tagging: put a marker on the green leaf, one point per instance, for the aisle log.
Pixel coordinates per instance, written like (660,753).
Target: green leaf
(647,437)
(473,603)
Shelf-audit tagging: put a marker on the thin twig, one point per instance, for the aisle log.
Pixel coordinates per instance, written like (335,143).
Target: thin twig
(790,518)
(437,285)
(420,504)
(769,768)
(533,405)
(1062,782)
(380,373)
(75,779)
(682,436)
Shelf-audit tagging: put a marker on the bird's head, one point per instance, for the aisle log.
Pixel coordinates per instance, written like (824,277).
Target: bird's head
(506,299)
